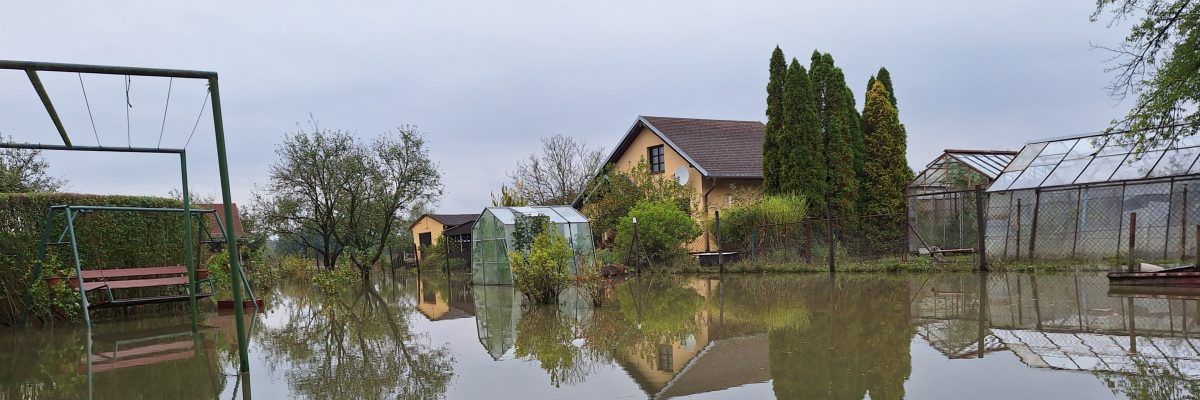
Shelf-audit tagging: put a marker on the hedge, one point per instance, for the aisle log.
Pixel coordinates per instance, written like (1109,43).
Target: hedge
(106,239)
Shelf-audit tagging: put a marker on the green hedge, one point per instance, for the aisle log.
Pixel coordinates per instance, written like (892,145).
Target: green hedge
(106,239)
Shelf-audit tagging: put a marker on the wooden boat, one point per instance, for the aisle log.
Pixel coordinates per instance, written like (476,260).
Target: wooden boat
(1188,275)
(1155,292)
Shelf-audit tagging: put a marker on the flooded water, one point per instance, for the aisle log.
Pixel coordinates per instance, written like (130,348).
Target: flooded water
(854,336)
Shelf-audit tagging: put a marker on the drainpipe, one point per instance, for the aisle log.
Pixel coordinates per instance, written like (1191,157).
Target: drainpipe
(713,182)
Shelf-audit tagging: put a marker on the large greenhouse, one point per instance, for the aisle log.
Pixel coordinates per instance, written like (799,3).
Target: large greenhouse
(1072,198)
(493,239)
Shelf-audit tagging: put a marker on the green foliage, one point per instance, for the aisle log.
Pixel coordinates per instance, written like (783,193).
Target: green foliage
(885,169)
(618,191)
(840,130)
(24,170)
(433,257)
(803,169)
(1159,62)
(510,196)
(738,223)
(544,271)
(772,157)
(662,231)
(526,228)
(337,280)
(106,240)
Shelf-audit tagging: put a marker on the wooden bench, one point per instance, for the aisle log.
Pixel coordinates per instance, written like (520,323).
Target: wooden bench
(132,278)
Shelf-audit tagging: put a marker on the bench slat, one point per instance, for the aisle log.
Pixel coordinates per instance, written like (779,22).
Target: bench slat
(131,272)
(141,283)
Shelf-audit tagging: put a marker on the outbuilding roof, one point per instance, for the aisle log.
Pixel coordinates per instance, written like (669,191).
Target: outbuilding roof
(449,220)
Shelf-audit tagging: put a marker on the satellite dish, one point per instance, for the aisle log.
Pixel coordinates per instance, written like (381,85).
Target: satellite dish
(681,175)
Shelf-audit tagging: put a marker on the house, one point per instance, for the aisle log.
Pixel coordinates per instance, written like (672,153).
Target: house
(710,156)
(429,227)
(210,220)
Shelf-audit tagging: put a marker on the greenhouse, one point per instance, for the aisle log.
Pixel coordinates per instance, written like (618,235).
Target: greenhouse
(1072,198)
(493,239)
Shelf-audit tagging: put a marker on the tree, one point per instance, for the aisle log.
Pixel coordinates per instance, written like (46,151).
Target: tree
(885,166)
(802,143)
(773,154)
(510,196)
(559,174)
(885,77)
(1159,62)
(615,192)
(24,170)
(662,231)
(394,174)
(835,110)
(331,193)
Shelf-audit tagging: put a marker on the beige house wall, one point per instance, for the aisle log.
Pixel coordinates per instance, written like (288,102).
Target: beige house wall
(721,194)
(423,225)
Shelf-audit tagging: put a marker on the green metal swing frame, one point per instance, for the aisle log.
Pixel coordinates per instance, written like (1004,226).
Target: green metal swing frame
(32,69)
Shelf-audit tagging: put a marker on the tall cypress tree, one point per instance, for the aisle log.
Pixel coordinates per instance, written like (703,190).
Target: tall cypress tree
(884,77)
(802,144)
(834,103)
(772,155)
(885,166)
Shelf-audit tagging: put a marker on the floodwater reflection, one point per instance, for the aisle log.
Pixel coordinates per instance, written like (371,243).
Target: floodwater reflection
(850,336)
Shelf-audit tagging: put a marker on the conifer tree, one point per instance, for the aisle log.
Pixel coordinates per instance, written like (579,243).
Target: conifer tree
(884,77)
(833,103)
(802,145)
(885,167)
(772,157)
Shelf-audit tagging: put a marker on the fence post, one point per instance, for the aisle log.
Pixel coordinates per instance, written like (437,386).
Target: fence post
(980,228)
(637,260)
(1037,202)
(1019,217)
(1183,223)
(907,238)
(1197,262)
(829,233)
(1132,238)
(446,249)
(720,254)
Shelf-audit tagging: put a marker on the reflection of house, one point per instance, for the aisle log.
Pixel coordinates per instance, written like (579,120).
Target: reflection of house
(708,360)
(709,156)
(444,298)
(429,227)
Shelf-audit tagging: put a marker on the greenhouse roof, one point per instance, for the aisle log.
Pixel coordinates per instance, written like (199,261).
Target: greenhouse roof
(988,162)
(557,214)
(1096,158)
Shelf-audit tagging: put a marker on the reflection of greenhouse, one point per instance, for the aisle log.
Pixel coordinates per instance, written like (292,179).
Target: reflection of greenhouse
(497,310)
(493,239)
(1067,322)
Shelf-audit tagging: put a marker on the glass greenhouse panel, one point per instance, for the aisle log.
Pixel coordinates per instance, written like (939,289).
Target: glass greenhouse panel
(494,240)
(1025,157)
(1137,168)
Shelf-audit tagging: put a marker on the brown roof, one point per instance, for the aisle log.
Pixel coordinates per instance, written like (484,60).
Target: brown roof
(213,228)
(449,220)
(718,148)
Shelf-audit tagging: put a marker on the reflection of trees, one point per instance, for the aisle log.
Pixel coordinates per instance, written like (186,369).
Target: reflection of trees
(661,308)
(354,345)
(1152,381)
(547,335)
(857,341)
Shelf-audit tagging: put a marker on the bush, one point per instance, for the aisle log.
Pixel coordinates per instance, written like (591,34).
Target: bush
(434,257)
(340,278)
(738,223)
(663,230)
(545,270)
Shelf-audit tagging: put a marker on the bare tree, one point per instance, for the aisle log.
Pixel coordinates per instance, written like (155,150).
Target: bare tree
(24,170)
(559,173)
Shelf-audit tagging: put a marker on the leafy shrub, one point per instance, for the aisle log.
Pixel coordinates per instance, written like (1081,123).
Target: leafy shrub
(338,279)
(434,257)
(615,192)
(662,229)
(545,270)
(738,223)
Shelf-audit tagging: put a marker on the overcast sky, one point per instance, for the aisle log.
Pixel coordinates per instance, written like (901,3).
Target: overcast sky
(485,80)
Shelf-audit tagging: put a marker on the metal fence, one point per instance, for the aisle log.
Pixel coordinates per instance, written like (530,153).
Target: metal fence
(1076,222)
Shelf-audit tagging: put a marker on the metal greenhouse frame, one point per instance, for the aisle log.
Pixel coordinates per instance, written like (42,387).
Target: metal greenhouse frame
(32,69)
(492,235)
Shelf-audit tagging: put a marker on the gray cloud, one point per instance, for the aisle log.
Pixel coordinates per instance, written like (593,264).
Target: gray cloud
(486,79)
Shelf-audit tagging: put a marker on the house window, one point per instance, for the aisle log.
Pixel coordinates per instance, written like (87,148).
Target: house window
(426,238)
(656,160)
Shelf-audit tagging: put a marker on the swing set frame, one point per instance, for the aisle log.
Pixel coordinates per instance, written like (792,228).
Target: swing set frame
(32,68)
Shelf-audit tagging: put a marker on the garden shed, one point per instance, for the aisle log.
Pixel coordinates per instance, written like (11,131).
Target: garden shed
(493,239)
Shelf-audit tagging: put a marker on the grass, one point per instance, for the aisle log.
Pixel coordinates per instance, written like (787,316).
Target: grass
(912,263)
